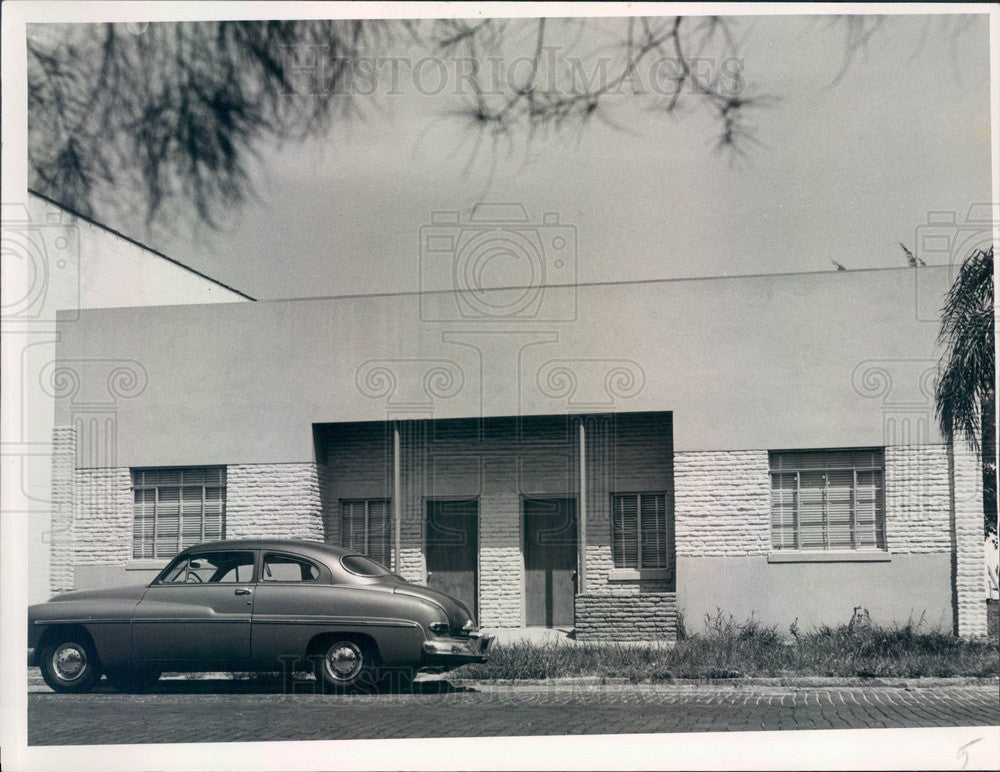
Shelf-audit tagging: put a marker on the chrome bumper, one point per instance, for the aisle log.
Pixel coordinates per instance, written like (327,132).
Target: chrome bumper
(454,652)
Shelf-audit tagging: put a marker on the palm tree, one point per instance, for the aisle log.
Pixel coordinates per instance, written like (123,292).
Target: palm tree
(965,396)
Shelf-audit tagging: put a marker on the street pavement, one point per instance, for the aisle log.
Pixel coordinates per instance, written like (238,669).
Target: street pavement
(216,710)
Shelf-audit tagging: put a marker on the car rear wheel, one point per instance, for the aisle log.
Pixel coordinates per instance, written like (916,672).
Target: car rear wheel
(133,680)
(346,666)
(70,666)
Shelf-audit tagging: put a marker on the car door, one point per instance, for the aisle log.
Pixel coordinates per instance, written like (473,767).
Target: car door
(197,615)
(293,600)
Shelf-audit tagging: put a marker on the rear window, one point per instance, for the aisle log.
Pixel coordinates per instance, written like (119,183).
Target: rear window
(362,566)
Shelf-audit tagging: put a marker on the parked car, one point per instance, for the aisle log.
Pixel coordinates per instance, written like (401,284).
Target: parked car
(255,605)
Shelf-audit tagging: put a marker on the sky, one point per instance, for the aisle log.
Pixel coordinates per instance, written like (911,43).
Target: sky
(844,170)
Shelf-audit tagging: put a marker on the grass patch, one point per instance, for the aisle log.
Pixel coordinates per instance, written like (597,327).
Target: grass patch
(730,649)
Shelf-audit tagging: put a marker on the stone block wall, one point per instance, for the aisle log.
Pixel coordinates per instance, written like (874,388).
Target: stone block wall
(639,617)
(722,501)
(104,516)
(917,495)
(280,501)
(63,501)
(497,463)
(934,504)
(92,514)
(501,565)
(969,545)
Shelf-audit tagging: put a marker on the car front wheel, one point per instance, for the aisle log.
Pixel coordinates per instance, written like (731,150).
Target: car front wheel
(70,666)
(347,666)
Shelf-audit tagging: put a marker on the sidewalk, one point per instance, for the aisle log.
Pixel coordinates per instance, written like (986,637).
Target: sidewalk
(557,635)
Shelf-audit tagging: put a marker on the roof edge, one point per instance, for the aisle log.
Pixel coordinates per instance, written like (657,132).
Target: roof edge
(612,283)
(136,242)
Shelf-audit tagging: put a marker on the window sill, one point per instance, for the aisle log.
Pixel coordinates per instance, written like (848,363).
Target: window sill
(636,574)
(146,565)
(847,556)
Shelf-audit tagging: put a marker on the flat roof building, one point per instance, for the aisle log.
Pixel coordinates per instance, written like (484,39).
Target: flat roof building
(597,457)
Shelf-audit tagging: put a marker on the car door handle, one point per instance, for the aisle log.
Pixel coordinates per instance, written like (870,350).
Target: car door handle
(243,591)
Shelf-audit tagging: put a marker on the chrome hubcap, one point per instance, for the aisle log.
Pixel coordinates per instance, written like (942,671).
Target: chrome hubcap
(69,661)
(343,661)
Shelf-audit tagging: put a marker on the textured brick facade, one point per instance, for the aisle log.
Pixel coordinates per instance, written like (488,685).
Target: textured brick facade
(92,514)
(969,545)
(917,494)
(102,528)
(273,500)
(640,617)
(63,502)
(722,501)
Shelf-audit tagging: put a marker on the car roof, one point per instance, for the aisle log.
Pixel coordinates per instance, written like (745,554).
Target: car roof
(316,549)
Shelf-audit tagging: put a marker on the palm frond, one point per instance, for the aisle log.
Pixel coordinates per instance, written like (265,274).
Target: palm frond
(966,372)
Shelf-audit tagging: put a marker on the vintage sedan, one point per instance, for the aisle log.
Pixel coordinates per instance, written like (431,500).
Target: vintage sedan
(255,605)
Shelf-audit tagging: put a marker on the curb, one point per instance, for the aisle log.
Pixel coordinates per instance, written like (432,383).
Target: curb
(809,682)
(801,682)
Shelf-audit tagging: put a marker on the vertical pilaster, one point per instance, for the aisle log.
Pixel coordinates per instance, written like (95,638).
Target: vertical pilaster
(63,498)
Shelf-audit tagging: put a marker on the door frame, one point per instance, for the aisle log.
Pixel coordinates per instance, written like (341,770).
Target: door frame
(424,501)
(524,567)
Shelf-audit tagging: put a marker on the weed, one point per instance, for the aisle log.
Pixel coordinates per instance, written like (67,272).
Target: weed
(728,648)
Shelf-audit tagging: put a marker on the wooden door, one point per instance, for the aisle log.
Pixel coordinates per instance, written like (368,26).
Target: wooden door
(550,554)
(452,544)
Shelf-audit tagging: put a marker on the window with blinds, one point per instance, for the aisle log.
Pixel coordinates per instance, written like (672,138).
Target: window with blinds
(639,530)
(176,508)
(365,527)
(828,500)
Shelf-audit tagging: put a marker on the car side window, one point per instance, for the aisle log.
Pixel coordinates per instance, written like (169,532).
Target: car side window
(282,568)
(211,568)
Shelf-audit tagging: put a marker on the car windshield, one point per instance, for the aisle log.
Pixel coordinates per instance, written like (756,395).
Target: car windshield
(362,566)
